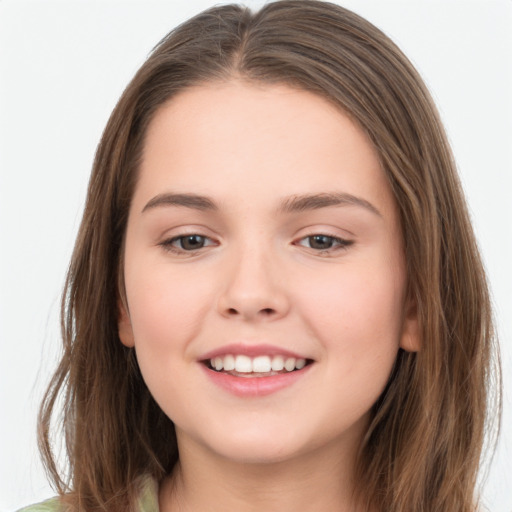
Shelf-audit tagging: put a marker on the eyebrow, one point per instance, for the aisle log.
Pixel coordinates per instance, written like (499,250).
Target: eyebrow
(292,204)
(305,202)
(192,201)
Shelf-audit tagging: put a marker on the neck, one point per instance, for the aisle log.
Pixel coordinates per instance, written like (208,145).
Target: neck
(321,480)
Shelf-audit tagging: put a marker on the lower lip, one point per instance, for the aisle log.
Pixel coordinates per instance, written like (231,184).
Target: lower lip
(255,386)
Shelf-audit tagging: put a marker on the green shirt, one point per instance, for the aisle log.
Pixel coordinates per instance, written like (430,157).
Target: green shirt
(147,500)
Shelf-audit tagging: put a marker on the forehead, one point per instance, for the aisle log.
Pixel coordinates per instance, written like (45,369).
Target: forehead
(237,139)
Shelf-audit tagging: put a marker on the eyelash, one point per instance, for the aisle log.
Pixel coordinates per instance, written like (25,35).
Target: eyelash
(168,244)
(341,244)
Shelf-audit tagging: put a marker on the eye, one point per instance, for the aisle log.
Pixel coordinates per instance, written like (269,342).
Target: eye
(323,243)
(187,243)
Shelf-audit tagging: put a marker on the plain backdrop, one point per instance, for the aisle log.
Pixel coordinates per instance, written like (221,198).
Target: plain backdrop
(63,65)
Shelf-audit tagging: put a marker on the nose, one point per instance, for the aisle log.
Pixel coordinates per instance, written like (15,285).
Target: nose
(254,288)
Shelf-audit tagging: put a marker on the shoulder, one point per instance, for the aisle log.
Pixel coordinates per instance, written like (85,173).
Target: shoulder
(147,499)
(51,505)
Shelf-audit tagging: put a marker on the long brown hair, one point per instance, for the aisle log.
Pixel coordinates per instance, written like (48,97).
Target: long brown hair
(423,447)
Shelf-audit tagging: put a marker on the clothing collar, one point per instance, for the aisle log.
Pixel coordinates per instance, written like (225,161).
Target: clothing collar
(147,500)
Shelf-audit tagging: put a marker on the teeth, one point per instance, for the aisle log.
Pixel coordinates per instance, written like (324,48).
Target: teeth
(300,363)
(259,364)
(277,363)
(289,364)
(229,363)
(243,364)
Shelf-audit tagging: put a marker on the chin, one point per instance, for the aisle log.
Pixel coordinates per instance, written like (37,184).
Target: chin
(257,445)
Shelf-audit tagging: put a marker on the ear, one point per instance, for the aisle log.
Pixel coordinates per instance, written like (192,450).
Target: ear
(124,326)
(410,339)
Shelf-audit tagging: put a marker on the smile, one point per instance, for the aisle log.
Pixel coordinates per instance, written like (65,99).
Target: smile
(254,371)
(259,366)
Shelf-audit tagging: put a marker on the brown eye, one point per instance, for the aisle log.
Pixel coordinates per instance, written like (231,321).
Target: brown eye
(324,242)
(321,242)
(187,243)
(190,242)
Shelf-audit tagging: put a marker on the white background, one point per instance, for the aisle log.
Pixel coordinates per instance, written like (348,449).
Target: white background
(63,65)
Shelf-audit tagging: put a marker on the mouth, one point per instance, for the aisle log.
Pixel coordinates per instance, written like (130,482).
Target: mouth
(240,365)
(251,371)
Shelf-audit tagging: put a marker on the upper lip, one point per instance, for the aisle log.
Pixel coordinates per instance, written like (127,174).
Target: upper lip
(250,351)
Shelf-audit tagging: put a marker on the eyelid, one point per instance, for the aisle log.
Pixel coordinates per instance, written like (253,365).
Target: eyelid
(167,243)
(342,243)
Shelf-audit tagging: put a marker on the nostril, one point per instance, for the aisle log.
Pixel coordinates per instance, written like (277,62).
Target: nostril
(250,313)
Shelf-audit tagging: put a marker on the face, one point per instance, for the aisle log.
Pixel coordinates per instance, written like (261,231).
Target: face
(264,272)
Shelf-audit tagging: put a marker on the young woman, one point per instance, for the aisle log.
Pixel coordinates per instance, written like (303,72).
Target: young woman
(276,300)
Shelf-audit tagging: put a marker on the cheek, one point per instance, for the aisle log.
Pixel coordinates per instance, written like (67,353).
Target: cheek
(165,311)
(165,306)
(357,309)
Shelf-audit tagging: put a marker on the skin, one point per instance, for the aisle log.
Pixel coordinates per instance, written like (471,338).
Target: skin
(260,278)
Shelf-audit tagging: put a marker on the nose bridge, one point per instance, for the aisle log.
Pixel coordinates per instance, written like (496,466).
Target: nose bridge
(254,285)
